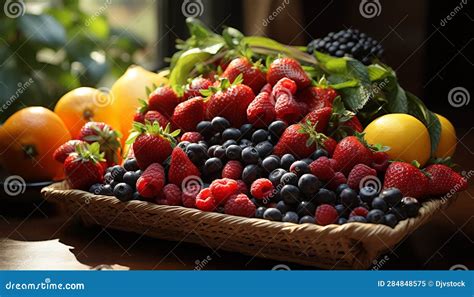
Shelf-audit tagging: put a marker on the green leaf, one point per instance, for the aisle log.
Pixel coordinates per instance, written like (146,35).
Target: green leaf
(186,63)
(42,29)
(397,100)
(345,84)
(434,128)
(377,72)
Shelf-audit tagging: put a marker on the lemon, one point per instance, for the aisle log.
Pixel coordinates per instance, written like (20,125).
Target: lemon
(448,140)
(406,136)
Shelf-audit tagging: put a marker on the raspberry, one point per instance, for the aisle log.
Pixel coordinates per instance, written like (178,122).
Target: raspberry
(151,182)
(240,205)
(326,214)
(359,211)
(222,189)
(172,194)
(333,162)
(358,173)
(205,201)
(261,188)
(189,199)
(338,179)
(322,168)
(380,161)
(193,137)
(233,170)
(242,187)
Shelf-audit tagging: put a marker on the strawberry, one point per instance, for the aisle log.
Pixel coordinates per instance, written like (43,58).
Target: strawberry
(229,101)
(153,115)
(164,99)
(309,95)
(380,161)
(287,109)
(349,152)
(329,144)
(139,115)
(298,139)
(108,139)
(266,88)
(443,180)
(253,76)
(151,182)
(151,143)
(343,122)
(194,87)
(261,111)
(354,124)
(181,167)
(410,180)
(62,152)
(188,114)
(193,137)
(85,166)
(290,68)
(320,118)
(325,93)
(357,173)
(284,86)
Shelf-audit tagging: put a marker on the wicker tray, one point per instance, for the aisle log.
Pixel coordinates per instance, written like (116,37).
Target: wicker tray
(348,246)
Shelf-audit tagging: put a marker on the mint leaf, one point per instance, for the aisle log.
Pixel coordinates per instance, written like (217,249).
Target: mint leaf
(377,72)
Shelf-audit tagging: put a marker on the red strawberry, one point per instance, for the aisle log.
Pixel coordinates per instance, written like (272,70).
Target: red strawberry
(252,74)
(287,109)
(320,118)
(310,96)
(354,124)
(359,172)
(444,180)
(153,115)
(290,68)
(284,86)
(296,140)
(62,152)
(193,89)
(329,144)
(349,152)
(322,169)
(181,167)
(164,100)
(325,93)
(230,102)
(266,88)
(85,167)
(261,111)
(233,170)
(193,137)
(139,117)
(151,143)
(188,114)
(108,139)
(150,183)
(380,161)
(343,122)
(407,178)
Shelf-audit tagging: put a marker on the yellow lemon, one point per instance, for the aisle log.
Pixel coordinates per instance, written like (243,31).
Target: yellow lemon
(448,140)
(406,136)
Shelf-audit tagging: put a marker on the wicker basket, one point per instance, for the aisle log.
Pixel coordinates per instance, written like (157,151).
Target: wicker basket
(348,246)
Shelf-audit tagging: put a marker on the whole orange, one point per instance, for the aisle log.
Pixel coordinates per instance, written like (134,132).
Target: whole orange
(27,141)
(83,105)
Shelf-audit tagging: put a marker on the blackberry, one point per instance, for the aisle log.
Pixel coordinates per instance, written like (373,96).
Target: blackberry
(350,43)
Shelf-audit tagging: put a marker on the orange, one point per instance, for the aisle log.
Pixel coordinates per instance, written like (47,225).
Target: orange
(130,87)
(447,142)
(27,141)
(82,105)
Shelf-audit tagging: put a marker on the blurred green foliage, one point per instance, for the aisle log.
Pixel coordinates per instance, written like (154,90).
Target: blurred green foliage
(42,56)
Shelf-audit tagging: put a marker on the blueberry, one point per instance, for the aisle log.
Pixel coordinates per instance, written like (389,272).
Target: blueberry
(212,165)
(246,130)
(282,207)
(349,198)
(341,187)
(130,165)
(137,196)
(392,196)
(390,220)
(307,219)
(196,153)
(399,211)
(216,139)
(290,217)
(219,152)
(272,214)
(308,184)
(107,190)
(319,153)
(96,189)
(341,221)
(219,124)
(290,194)
(231,133)
(131,177)
(325,196)
(245,143)
(305,208)
(411,206)
(259,212)
(375,216)
(379,203)
(250,155)
(307,160)
(342,211)
(259,136)
(228,143)
(123,192)
(270,163)
(277,128)
(203,144)
(276,175)
(286,161)
(233,152)
(250,173)
(205,128)
(264,148)
(210,150)
(359,219)
(117,173)
(300,168)
(183,145)
(289,178)
(367,194)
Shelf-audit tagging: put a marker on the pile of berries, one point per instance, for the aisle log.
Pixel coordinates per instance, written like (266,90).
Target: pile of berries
(265,145)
